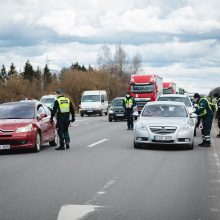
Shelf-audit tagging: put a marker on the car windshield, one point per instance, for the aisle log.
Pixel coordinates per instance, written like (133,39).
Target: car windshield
(117,102)
(164,111)
(185,100)
(139,88)
(91,98)
(47,100)
(16,112)
(167,91)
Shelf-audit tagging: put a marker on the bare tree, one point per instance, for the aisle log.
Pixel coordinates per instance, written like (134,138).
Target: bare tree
(120,59)
(104,58)
(136,64)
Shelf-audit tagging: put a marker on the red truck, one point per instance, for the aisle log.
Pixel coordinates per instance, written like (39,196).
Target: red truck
(169,88)
(145,88)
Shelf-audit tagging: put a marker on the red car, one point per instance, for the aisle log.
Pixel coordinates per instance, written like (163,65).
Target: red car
(26,125)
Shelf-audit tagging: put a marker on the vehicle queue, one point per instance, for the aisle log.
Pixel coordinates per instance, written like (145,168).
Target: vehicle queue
(168,120)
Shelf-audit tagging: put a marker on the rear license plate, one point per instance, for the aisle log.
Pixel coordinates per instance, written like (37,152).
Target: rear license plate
(119,114)
(4,147)
(90,111)
(162,138)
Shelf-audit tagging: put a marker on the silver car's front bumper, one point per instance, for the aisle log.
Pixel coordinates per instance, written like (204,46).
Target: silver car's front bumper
(178,138)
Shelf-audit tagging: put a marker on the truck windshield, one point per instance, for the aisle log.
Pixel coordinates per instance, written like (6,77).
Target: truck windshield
(167,91)
(147,88)
(91,98)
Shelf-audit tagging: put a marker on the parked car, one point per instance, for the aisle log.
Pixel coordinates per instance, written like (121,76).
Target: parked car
(180,98)
(166,123)
(48,100)
(25,124)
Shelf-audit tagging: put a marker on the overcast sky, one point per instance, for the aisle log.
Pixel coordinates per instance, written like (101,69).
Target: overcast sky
(177,39)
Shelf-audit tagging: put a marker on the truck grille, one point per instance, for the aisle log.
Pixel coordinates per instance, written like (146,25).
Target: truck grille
(163,129)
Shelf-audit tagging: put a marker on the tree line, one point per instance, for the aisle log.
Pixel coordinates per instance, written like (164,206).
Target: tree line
(112,74)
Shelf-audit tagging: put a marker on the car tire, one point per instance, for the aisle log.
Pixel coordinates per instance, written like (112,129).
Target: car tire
(106,112)
(109,119)
(37,144)
(195,132)
(53,143)
(101,113)
(136,145)
(190,147)
(81,114)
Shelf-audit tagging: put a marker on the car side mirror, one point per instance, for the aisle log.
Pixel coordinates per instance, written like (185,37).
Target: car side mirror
(193,115)
(43,115)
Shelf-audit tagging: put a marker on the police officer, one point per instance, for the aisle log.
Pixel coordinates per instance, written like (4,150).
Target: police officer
(204,110)
(217,96)
(128,104)
(63,107)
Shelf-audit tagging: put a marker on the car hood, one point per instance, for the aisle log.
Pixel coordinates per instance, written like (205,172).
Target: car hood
(13,124)
(165,121)
(117,108)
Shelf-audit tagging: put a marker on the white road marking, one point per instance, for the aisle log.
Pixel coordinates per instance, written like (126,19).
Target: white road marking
(109,183)
(101,192)
(96,143)
(74,212)
(214,210)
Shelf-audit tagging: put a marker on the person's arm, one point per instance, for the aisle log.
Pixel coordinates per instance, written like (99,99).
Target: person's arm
(202,106)
(72,111)
(55,108)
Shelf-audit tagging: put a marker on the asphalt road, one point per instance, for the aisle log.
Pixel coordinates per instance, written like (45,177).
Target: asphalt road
(103,177)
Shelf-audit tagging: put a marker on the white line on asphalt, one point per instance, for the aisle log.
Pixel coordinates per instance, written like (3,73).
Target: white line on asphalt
(214,210)
(70,212)
(96,143)
(101,192)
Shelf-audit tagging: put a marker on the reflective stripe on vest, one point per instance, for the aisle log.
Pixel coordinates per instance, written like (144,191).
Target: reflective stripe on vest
(204,112)
(128,103)
(64,104)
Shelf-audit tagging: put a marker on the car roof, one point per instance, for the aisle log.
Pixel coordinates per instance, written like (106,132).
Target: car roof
(166,103)
(23,102)
(48,96)
(173,95)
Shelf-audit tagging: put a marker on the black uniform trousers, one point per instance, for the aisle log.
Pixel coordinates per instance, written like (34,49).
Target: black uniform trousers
(129,116)
(206,130)
(63,123)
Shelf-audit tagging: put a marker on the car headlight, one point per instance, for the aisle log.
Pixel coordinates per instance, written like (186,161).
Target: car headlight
(141,126)
(111,111)
(24,129)
(185,127)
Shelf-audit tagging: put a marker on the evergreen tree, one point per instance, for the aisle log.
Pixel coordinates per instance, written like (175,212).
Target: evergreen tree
(12,71)
(47,74)
(3,73)
(83,68)
(28,71)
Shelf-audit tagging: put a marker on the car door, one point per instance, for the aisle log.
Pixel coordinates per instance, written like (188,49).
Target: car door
(43,121)
(51,126)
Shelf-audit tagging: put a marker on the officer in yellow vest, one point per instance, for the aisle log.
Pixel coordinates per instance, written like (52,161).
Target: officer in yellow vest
(128,104)
(205,111)
(63,107)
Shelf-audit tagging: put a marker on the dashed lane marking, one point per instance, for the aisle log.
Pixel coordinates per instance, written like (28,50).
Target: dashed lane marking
(96,143)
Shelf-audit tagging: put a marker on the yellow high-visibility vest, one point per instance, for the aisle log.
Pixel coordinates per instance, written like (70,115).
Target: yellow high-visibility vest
(64,104)
(128,103)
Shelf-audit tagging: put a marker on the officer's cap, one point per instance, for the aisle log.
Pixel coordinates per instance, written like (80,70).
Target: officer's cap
(59,91)
(196,95)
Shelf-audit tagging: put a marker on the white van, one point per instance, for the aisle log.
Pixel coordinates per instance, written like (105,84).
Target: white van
(94,102)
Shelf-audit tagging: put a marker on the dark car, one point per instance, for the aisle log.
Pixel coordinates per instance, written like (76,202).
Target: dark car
(116,110)
(26,125)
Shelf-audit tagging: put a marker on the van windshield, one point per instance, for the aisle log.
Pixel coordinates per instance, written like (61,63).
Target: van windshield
(91,98)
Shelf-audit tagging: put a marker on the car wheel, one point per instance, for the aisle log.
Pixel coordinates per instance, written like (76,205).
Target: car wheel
(191,146)
(37,142)
(101,113)
(109,119)
(136,145)
(81,114)
(106,112)
(195,132)
(53,143)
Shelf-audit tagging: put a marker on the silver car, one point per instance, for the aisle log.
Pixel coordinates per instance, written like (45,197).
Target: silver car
(166,123)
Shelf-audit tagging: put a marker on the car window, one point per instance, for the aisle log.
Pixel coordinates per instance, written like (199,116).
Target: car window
(164,111)
(117,102)
(91,98)
(184,100)
(40,110)
(48,100)
(16,112)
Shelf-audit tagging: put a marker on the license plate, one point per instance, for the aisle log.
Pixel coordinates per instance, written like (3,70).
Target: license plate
(162,138)
(119,114)
(4,147)
(90,111)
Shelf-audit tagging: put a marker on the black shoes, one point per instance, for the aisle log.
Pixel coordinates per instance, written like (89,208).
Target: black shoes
(67,146)
(205,144)
(60,148)
(200,145)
